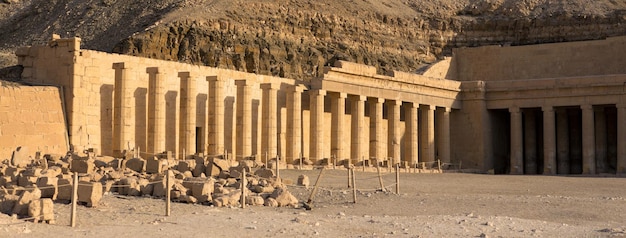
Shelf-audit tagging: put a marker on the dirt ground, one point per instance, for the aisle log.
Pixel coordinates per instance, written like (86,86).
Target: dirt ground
(429,205)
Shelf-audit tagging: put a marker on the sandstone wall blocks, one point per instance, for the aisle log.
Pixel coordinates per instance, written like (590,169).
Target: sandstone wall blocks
(89,193)
(21,206)
(136,164)
(41,210)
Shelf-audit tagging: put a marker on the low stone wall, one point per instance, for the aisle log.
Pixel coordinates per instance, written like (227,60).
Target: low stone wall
(31,118)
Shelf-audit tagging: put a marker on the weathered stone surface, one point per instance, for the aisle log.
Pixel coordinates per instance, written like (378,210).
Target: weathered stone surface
(21,157)
(284,198)
(264,173)
(21,206)
(65,189)
(136,164)
(48,186)
(82,165)
(41,210)
(201,188)
(90,193)
(129,186)
(7,203)
(303,180)
(270,202)
(215,166)
(186,165)
(155,165)
(255,200)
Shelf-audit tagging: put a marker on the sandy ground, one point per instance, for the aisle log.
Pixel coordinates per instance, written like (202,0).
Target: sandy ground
(429,205)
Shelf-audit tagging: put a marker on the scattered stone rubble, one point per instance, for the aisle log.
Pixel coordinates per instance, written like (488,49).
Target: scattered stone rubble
(29,186)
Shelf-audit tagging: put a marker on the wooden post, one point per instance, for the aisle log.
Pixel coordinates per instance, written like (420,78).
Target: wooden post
(380,177)
(460,163)
(300,160)
(244,182)
(353,185)
(184,155)
(266,164)
(398,179)
(349,176)
(334,158)
(363,162)
(74,200)
(317,183)
(168,194)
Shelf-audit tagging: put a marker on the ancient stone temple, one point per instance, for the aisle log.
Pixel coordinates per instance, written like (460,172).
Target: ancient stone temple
(539,109)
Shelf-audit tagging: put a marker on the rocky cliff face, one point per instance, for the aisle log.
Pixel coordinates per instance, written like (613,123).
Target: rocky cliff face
(297,38)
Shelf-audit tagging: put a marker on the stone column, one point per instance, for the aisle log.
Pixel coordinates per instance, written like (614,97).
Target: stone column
(601,140)
(121,110)
(216,115)
(530,142)
(621,138)
(393,130)
(338,110)
(376,134)
(187,113)
(549,141)
(589,148)
(427,131)
(156,112)
(357,113)
(294,122)
(270,133)
(517,137)
(244,119)
(411,141)
(317,125)
(562,141)
(443,136)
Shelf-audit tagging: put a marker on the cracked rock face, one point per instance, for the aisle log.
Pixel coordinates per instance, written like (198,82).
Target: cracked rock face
(297,38)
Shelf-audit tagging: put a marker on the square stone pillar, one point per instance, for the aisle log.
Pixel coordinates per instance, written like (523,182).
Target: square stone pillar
(156,111)
(318,144)
(121,110)
(393,130)
(562,141)
(530,142)
(601,140)
(589,147)
(427,131)
(270,133)
(621,138)
(357,146)
(443,135)
(376,131)
(549,141)
(294,122)
(517,141)
(215,109)
(187,114)
(411,141)
(338,110)
(244,119)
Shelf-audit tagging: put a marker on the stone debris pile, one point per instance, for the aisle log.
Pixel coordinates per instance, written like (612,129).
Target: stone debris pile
(29,186)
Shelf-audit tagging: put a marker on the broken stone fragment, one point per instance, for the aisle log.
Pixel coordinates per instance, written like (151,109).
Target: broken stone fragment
(303,180)
(82,165)
(264,173)
(21,206)
(41,210)
(21,157)
(90,193)
(284,198)
(136,164)
(49,187)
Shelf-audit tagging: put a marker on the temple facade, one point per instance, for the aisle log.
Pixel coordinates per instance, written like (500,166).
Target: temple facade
(539,109)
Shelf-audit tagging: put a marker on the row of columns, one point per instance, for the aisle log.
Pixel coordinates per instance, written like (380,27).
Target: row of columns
(215,108)
(556,155)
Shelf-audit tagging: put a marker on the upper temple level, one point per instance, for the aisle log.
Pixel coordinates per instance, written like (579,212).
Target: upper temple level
(465,109)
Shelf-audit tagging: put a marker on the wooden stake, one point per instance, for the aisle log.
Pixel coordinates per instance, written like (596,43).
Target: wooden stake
(317,183)
(244,182)
(380,177)
(277,167)
(74,200)
(398,179)
(349,177)
(353,185)
(301,160)
(168,195)
(439,165)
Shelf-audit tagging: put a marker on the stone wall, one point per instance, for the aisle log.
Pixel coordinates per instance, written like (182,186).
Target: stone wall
(31,117)
(573,59)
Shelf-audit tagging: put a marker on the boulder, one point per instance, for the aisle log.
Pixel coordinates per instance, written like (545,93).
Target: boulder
(7,203)
(303,180)
(90,193)
(136,164)
(264,173)
(82,165)
(21,206)
(64,189)
(255,200)
(41,210)
(201,188)
(186,165)
(154,165)
(284,198)
(49,187)
(20,157)
(270,202)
